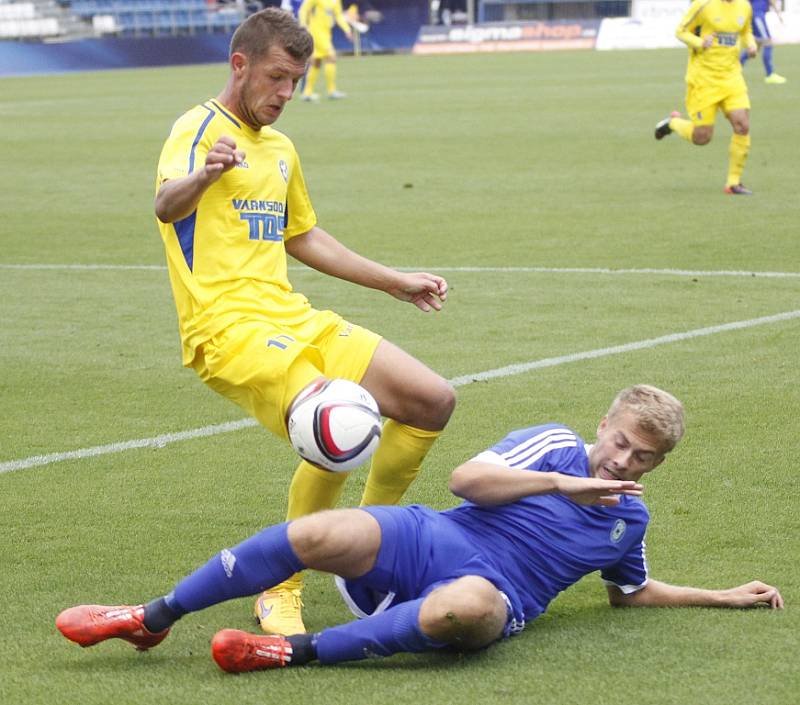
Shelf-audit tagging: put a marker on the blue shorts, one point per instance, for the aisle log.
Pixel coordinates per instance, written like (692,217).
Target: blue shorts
(421,550)
(760,28)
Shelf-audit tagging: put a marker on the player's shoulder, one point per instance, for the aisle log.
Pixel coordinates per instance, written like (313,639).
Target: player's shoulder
(528,447)
(277,137)
(698,6)
(193,121)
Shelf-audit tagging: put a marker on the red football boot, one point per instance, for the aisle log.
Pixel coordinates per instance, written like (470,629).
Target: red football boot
(236,651)
(87,625)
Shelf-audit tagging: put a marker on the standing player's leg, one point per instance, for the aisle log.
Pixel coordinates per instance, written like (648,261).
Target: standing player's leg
(764,40)
(330,77)
(311,80)
(738,150)
(323,46)
(418,404)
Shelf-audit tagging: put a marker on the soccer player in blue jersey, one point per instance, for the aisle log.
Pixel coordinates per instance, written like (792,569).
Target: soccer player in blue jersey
(542,510)
(764,38)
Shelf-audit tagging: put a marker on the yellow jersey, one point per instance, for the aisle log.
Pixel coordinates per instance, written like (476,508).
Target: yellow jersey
(729,22)
(227,260)
(319,16)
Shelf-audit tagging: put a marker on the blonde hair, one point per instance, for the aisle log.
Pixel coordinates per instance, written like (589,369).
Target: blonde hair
(656,412)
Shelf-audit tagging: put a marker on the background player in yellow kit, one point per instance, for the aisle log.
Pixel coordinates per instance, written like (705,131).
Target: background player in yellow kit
(231,203)
(319,16)
(715,32)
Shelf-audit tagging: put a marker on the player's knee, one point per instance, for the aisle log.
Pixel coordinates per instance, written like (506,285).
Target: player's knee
(444,401)
(311,536)
(429,405)
(701,136)
(469,613)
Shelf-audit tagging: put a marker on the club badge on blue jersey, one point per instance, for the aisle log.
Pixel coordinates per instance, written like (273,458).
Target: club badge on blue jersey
(618,530)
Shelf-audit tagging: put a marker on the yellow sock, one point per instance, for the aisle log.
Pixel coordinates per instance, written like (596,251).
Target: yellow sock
(312,489)
(396,462)
(330,76)
(311,79)
(683,127)
(737,151)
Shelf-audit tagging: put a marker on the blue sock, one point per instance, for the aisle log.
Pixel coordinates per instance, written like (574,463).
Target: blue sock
(766,56)
(258,563)
(390,632)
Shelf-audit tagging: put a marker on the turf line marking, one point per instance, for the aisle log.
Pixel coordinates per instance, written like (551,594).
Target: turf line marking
(507,371)
(517,369)
(478,270)
(155,442)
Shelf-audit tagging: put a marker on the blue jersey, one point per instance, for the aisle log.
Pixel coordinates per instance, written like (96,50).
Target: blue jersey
(760,7)
(545,543)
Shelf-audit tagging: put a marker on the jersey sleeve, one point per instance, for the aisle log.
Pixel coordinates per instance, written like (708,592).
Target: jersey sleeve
(748,40)
(300,216)
(691,20)
(184,150)
(630,573)
(548,448)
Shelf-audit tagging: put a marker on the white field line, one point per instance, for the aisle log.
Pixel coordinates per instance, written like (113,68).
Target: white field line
(479,270)
(507,371)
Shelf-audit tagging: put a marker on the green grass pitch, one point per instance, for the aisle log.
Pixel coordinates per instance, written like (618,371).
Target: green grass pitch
(467,165)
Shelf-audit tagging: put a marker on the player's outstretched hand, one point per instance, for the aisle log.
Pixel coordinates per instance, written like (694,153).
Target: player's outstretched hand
(222,157)
(752,594)
(426,291)
(590,490)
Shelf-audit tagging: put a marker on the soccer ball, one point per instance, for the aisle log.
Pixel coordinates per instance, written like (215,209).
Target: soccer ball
(334,424)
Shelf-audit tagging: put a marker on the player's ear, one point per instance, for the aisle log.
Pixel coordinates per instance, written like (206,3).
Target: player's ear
(602,425)
(238,62)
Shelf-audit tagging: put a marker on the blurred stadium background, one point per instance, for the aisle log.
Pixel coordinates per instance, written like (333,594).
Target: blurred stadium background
(46,36)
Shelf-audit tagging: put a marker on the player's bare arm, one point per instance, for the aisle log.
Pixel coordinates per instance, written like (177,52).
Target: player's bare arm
(178,198)
(489,484)
(321,251)
(658,594)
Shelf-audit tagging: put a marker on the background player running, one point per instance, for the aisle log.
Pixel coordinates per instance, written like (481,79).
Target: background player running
(715,31)
(543,510)
(764,38)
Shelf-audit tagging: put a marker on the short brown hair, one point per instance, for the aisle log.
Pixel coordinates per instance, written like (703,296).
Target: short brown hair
(655,411)
(259,32)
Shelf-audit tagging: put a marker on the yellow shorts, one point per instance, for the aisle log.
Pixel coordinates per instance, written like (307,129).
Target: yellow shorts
(702,101)
(262,366)
(323,44)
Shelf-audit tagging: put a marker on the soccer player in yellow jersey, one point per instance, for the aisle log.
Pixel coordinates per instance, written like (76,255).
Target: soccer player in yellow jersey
(231,202)
(715,32)
(319,17)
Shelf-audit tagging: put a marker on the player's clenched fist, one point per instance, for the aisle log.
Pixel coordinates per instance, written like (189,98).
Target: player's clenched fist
(222,157)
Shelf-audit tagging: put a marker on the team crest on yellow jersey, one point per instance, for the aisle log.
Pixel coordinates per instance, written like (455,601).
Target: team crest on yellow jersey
(284,170)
